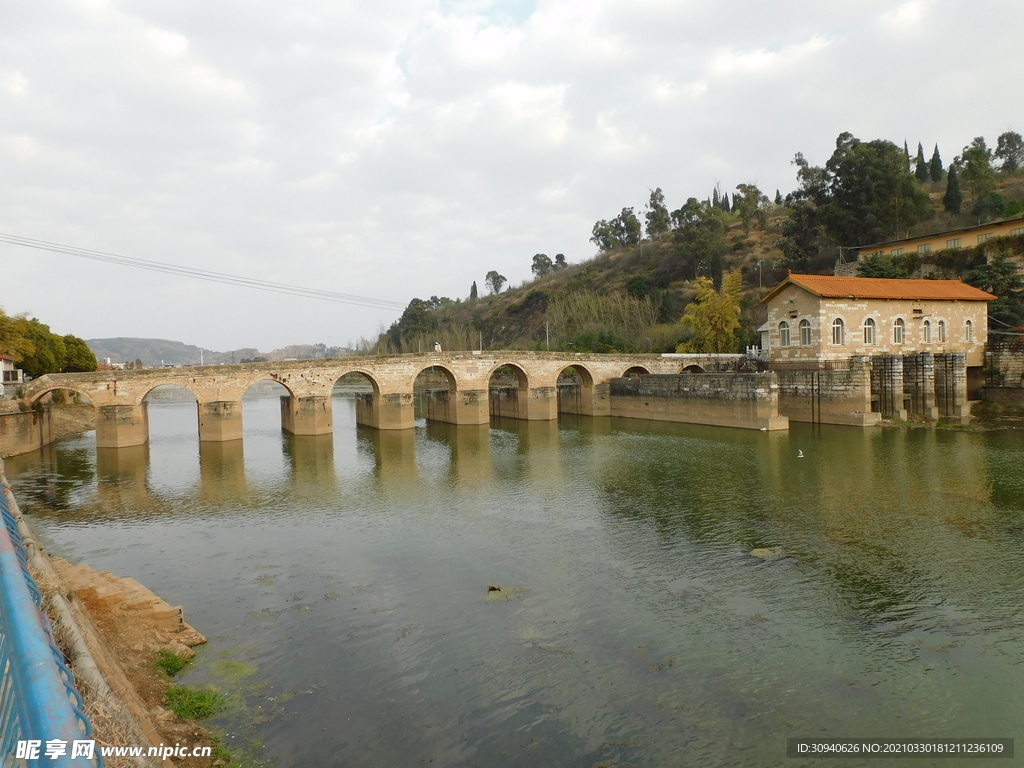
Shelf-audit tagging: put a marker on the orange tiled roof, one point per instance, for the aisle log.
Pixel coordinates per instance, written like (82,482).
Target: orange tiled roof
(883,288)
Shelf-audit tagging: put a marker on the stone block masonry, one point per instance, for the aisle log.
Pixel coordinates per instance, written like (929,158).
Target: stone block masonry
(828,396)
(24,432)
(743,400)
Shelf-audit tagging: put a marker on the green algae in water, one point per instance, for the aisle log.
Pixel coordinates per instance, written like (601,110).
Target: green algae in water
(501,594)
(233,670)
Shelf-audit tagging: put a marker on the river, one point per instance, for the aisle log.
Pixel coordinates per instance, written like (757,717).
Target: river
(343,584)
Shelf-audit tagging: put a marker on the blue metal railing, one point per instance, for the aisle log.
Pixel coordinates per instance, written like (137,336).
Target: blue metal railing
(38,700)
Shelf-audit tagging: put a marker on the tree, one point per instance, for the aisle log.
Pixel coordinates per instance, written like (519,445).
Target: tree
(979,178)
(906,155)
(473,295)
(877,265)
(560,261)
(935,165)
(753,205)
(700,238)
(623,230)
(921,169)
(78,356)
(953,200)
(416,320)
(139,365)
(541,265)
(495,281)
(864,194)
(657,215)
(778,197)
(1010,150)
(1002,277)
(714,316)
(48,350)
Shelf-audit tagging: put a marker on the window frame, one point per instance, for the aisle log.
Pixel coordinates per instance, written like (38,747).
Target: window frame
(942,332)
(899,331)
(784,337)
(926,331)
(870,327)
(838,332)
(805,325)
(969,331)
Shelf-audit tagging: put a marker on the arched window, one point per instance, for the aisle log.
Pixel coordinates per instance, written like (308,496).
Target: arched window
(926,332)
(968,331)
(805,333)
(869,330)
(837,331)
(898,329)
(942,331)
(783,334)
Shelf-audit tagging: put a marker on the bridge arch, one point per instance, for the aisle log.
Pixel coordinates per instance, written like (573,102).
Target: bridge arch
(367,404)
(435,389)
(635,371)
(146,391)
(508,391)
(692,368)
(576,390)
(35,395)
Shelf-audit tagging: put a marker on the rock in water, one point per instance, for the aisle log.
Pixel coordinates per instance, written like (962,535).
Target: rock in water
(766,553)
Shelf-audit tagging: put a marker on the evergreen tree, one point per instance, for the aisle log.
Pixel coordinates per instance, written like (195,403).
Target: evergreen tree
(715,199)
(541,265)
(495,281)
(560,261)
(473,295)
(778,197)
(906,156)
(953,200)
(921,169)
(935,166)
(714,316)
(978,175)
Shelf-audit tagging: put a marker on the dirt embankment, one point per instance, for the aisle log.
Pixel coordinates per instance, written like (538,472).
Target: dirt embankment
(125,627)
(73,419)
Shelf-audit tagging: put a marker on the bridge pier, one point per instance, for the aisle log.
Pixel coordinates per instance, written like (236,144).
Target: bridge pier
(307,415)
(220,420)
(391,411)
(121,426)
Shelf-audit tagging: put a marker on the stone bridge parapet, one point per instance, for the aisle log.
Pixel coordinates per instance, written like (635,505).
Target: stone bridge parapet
(120,396)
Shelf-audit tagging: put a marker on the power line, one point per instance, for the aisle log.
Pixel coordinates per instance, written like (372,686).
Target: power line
(202,274)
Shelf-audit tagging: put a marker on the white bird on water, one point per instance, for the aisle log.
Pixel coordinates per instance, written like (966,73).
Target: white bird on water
(799,454)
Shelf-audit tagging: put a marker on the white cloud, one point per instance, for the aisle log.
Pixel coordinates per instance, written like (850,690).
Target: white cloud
(404,147)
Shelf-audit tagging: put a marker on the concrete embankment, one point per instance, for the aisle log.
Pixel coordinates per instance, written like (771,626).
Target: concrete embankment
(26,431)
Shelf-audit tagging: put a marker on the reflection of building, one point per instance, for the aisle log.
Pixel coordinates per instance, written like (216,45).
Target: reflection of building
(10,377)
(819,317)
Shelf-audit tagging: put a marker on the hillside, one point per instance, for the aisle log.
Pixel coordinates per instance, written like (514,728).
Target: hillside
(631,296)
(155,352)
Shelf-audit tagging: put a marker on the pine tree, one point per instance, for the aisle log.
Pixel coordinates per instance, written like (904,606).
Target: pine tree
(953,200)
(906,156)
(472,292)
(920,166)
(935,166)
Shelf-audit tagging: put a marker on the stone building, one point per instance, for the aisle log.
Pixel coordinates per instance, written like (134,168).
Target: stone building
(824,318)
(10,377)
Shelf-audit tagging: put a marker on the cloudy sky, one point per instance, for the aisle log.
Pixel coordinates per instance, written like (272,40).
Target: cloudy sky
(402,148)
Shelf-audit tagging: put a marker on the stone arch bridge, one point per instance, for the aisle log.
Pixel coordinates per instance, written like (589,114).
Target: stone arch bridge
(532,391)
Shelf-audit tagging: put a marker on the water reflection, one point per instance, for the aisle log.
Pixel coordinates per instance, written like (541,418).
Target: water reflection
(646,632)
(222,470)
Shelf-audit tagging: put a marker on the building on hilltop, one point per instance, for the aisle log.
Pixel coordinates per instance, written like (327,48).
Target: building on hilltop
(824,318)
(950,239)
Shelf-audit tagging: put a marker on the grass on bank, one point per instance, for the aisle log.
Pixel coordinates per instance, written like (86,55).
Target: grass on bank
(170,662)
(193,703)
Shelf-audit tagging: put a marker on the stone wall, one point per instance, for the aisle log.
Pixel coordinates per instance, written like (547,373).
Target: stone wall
(1004,364)
(828,396)
(24,432)
(744,400)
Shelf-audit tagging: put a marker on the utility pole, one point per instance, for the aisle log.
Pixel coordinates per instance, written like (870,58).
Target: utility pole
(200,355)
(547,336)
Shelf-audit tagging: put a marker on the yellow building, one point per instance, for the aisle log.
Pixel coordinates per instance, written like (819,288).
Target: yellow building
(968,237)
(825,318)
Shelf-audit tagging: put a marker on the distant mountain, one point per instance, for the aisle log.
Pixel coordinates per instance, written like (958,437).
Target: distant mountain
(155,352)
